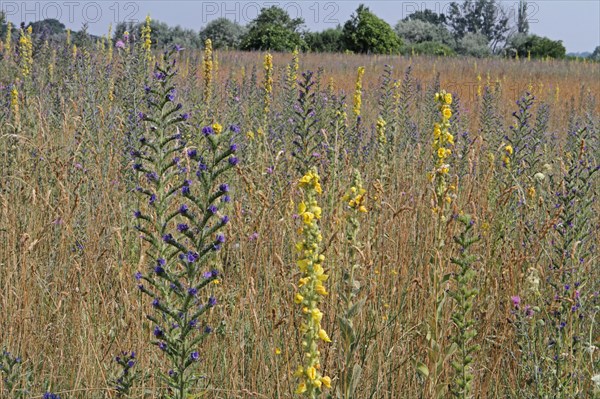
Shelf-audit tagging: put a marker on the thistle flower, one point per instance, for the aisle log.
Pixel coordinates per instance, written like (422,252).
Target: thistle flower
(311,288)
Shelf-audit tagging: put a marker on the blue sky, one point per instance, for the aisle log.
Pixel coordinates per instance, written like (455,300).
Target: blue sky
(575,22)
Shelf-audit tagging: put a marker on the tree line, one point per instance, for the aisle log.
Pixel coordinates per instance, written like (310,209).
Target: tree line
(478,28)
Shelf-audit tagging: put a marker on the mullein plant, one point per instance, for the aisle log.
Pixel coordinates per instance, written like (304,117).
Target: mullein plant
(26,52)
(184,197)
(146,43)
(443,194)
(207,66)
(357,99)
(351,371)
(311,290)
(462,316)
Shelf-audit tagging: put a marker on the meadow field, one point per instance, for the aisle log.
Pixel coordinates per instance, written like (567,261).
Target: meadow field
(459,230)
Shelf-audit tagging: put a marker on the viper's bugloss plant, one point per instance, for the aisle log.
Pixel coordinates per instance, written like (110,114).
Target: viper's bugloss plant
(311,289)
(125,378)
(305,123)
(183,199)
(16,378)
(462,316)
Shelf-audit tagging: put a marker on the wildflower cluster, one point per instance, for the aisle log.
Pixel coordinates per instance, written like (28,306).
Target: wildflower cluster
(26,51)
(358,91)
(311,289)
(182,222)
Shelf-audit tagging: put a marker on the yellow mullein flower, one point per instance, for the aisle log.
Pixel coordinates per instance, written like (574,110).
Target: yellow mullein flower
(326,381)
(217,128)
(509,149)
(447,112)
(323,335)
(448,98)
(298,299)
(268,83)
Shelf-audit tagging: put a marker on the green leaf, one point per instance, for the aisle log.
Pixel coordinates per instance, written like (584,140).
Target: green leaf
(422,369)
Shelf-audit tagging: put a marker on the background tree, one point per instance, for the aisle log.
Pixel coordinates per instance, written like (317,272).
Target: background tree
(223,33)
(273,29)
(327,41)
(536,46)
(596,54)
(413,31)
(522,22)
(484,17)
(364,32)
(427,15)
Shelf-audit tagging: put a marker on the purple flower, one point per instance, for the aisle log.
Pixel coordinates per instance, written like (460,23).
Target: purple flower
(212,301)
(152,199)
(233,147)
(207,130)
(516,300)
(168,238)
(120,44)
(137,214)
(192,256)
(207,330)
(162,346)
(193,291)
(192,152)
(182,227)
(158,269)
(183,208)
(226,199)
(213,209)
(224,220)
(138,276)
(233,161)
(158,332)
(224,188)
(195,356)
(220,238)
(185,116)
(155,303)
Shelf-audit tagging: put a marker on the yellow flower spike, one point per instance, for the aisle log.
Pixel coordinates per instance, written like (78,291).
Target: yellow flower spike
(323,335)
